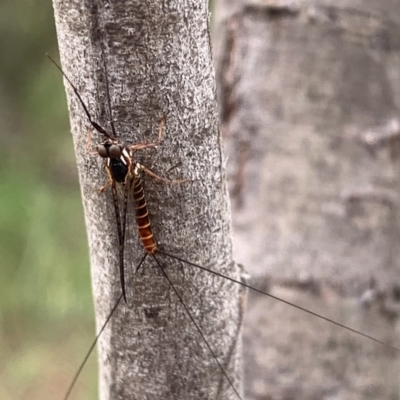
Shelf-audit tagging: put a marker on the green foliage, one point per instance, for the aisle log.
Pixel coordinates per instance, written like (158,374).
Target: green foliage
(46,312)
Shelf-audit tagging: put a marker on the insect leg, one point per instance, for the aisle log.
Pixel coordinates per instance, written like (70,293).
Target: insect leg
(121,231)
(159,178)
(89,352)
(197,327)
(96,339)
(110,181)
(141,146)
(305,310)
(88,147)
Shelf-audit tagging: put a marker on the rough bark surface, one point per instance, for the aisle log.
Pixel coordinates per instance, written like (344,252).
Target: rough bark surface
(310,99)
(158,60)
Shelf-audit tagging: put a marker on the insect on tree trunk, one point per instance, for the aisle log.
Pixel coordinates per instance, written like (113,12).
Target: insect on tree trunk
(310,101)
(158,61)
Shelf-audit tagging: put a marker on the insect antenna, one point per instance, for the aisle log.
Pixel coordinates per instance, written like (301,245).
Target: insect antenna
(331,321)
(93,123)
(96,339)
(196,325)
(108,97)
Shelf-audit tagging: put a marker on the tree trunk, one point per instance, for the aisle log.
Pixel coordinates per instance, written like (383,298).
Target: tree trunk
(310,98)
(158,61)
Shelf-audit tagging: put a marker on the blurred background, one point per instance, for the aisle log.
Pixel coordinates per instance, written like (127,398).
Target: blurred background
(46,312)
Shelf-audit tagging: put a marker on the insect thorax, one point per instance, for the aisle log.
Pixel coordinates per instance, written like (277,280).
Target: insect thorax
(118,168)
(117,159)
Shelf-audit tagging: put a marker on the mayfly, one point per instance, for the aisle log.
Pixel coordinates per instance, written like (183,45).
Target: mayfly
(124,172)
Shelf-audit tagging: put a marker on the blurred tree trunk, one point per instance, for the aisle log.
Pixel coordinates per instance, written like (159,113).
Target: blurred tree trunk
(310,99)
(158,60)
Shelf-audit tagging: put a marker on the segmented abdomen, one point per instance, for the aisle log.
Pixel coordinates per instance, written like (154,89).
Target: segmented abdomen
(142,217)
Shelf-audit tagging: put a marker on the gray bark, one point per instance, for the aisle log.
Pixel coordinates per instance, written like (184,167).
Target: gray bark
(159,63)
(310,99)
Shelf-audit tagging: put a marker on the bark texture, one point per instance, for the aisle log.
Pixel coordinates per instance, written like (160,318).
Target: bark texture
(310,99)
(158,60)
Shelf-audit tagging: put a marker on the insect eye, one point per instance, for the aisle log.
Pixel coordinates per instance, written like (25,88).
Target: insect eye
(115,151)
(101,149)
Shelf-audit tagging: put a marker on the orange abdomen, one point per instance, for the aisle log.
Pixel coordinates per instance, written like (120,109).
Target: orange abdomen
(142,217)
